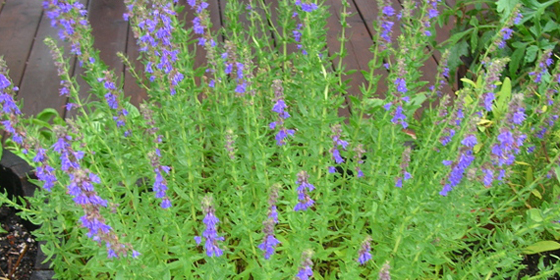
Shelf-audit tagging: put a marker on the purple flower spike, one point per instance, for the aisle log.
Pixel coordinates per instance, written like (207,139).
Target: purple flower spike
(304,187)
(270,242)
(280,108)
(210,234)
(4,82)
(364,253)
(305,271)
(384,272)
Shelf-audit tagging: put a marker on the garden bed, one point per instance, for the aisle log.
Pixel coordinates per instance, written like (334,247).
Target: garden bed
(20,257)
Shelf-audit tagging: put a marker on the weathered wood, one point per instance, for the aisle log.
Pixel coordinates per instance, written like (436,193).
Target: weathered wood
(110,32)
(39,83)
(131,87)
(18,24)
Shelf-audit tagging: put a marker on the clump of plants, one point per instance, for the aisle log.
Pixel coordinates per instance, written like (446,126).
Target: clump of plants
(242,168)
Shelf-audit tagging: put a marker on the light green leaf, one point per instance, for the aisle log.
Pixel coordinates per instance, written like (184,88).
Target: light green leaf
(465,80)
(505,7)
(531,53)
(504,97)
(535,215)
(536,193)
(541,246)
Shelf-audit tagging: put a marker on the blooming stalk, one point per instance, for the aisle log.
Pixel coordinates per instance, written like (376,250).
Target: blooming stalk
(337,142)
(303,189)
(385,18)
(210,234)
(160,183)
(82,189)
(280,108)
(74,27)
(364,255)
(305,271)
(152,27)
(270,241)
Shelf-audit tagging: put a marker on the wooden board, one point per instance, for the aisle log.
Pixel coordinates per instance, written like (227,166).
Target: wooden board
(18,24)
(110,31)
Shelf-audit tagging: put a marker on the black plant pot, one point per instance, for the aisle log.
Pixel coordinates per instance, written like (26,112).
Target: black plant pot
(14,174)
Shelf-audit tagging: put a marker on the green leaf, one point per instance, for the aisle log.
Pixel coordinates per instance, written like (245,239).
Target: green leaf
(505,7)
(531,54)
(516,57)
(541,246)
(535,215)
(474,39)
(529,176)
(550,26)
(465,80)
(557,172)
(372,103)
(47,114)
(458,36)
(504,97)
(536,193)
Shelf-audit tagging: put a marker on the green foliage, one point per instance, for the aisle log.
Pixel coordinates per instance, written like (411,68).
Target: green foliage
(220,145)
(477,24)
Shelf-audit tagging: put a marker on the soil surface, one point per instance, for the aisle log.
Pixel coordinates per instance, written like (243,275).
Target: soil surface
(18,248)
(532,263)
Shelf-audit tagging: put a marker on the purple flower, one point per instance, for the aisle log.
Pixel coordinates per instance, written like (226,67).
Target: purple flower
(399,117)
(457,171)
(469,141)
(45,174)
(488,99)
(279,106)
(304,187)
(360,172)
(4,82)
(432,13)
(8,104)
(336,155)
(401,85)
(386,23)
(398,182)
(270,242)
(305,271)
(268,245)
(364,254)
(384,272)
(488,177)
(506,33)
(210,234)
(519,116)
(307,7)
(388,11)
(282,135)
(517,18)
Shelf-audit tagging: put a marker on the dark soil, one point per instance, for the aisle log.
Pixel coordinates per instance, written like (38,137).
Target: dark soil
(18,248)
(532,263)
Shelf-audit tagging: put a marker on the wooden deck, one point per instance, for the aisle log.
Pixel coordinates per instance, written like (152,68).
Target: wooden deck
(24,26)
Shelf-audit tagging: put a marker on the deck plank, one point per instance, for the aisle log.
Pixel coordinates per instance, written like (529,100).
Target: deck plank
(40,83)
(18,24)
(135,92)
(110,31)
(23,28)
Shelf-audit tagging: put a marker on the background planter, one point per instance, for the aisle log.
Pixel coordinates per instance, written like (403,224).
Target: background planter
(14,174)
